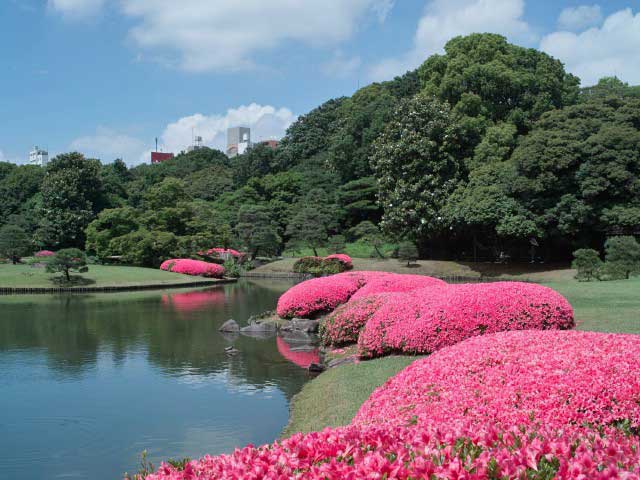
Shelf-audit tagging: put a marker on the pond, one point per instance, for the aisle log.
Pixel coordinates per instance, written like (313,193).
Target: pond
(87,382)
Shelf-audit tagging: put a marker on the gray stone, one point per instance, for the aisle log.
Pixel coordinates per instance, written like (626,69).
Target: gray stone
(341,361)
(259,330)
(316,368)
(230,326)
(302,325)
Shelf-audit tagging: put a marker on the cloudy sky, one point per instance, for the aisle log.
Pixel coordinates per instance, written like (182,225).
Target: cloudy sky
(106,77)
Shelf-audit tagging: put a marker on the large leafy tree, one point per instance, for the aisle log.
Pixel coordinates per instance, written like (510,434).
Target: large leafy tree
(416,167)
(14,243)
(512,83)
(72,193)
(578,171)
(257,231)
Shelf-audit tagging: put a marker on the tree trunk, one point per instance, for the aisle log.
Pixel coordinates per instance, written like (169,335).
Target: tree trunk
(315,251)
(378,251)
(66,274)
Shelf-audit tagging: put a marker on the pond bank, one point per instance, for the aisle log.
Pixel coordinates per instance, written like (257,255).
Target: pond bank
(114,288)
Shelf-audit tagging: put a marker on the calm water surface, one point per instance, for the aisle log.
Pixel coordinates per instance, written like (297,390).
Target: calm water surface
(88,382)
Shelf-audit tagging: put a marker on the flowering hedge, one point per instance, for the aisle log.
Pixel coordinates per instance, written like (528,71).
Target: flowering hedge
(392,282)
(187,266)
(424,321)
(319,295)
(567,380)
(44,254)
(512,405)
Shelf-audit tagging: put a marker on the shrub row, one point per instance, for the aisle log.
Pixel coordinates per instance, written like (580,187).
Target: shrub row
(330,265)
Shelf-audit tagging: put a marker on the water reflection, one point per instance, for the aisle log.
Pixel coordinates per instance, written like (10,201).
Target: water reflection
(89,381)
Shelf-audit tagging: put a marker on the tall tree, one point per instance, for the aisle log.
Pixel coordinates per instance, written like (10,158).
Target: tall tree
(14,243)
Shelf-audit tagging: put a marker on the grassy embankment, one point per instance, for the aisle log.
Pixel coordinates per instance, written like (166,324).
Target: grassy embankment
(334,397)
(98,276)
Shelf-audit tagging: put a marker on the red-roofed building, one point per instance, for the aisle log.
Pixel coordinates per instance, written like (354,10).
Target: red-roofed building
(159,157)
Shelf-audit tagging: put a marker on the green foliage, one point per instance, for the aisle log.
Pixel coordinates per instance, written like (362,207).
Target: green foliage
(318,266)
(587,263)
(143,247)
(416,167)
(256,231)
(72,194)
(622,256)
(109,224)
(407,252)
(367,232)
(336,244)
(66,261)
(14,243)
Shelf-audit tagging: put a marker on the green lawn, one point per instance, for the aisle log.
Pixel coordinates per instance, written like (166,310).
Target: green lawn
(334,397)
(27,276)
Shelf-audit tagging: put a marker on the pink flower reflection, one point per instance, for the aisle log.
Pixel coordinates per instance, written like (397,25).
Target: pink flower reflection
(302,359)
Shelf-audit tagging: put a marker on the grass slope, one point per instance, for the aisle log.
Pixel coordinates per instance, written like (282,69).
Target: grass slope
(442,269)
(334,397)
(26,276)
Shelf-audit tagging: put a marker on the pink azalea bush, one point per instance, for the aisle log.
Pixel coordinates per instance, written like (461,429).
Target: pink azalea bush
(320,295)
(342,258)
(323,295)
(222,252)
(568,381)
(520,405)
(423,321)
(343,325)
(393,282)
(44,254)
(198,268)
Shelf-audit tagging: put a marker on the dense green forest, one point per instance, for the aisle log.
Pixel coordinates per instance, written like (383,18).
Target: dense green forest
(487,149)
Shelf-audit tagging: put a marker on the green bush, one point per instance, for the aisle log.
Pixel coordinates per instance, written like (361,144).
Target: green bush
(587,263)
(232,268)
(68,260)
(318,266)
(407,252)
(622,256)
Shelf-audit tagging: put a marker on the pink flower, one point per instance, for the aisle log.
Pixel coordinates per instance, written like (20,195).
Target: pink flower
(44,253)
(198,268)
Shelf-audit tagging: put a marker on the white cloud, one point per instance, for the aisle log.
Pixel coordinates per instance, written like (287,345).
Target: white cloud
(444,19)
(341,65)
(230,35)
(578,18)
(77,8)
(611,49)
(2,157)
(107,145)
(265,122)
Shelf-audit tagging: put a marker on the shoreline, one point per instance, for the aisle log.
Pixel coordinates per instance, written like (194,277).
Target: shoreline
(114,288)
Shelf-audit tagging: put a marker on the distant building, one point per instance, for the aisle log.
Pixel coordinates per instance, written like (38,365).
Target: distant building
(39,157)
(238,140)
(270,143)
(159,157)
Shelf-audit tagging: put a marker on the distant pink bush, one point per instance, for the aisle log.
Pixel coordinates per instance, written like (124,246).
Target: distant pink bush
(198,268)
(424,321)
(342,258)
(44,254)
(221,252)
(517,405)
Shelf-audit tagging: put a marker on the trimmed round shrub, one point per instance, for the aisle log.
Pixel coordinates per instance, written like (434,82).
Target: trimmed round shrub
(566,380)
(196,268)
(424,321)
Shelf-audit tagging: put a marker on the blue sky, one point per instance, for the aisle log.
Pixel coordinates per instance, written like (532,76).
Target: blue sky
(108,76)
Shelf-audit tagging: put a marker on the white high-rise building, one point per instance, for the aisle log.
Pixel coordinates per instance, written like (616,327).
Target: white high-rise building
(39,157)
(238,140)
